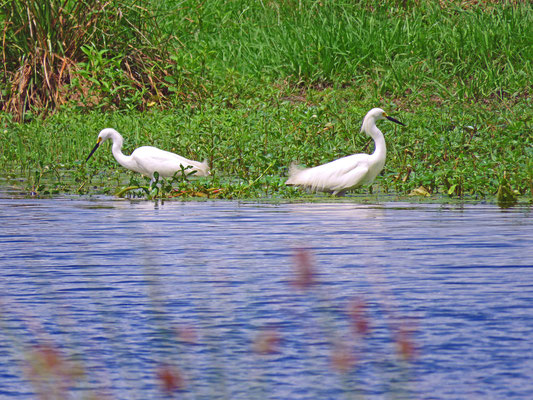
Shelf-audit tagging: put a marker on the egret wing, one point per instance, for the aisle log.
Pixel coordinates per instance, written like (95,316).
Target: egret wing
(331,176)
(151,159)
(351,179)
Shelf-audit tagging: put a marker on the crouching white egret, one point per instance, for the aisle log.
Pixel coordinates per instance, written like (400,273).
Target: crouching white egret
(348,172)
(147,160)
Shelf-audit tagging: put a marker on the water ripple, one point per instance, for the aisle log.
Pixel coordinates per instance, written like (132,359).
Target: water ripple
(122,288)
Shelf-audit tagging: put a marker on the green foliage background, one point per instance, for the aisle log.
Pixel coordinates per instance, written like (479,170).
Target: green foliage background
(253,86)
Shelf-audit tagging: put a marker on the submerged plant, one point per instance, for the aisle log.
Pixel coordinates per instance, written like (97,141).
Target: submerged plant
(179,185)
(506,196)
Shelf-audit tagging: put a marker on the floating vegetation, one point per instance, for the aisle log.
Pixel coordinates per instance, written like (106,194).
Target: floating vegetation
(506,196)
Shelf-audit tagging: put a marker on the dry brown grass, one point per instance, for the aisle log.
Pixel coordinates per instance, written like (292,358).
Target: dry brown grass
(43,45)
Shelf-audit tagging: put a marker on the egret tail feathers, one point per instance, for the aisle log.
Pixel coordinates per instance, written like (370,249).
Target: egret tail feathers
(294,172)
(202,168)
(304,177)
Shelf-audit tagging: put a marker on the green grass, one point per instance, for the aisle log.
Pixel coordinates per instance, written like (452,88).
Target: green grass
(252,141)
(452,51)
(253,87)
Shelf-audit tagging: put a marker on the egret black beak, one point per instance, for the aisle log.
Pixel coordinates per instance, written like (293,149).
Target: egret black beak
(94,149)
(394,120)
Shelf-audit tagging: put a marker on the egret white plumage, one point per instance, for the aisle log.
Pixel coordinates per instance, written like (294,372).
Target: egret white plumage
(351,171)
(147,160)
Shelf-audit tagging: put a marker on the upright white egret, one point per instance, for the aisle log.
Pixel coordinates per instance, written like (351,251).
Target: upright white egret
(147,160)
(348,172)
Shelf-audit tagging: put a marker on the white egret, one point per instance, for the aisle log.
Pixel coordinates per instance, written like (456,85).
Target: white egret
(147,160)
(348,172)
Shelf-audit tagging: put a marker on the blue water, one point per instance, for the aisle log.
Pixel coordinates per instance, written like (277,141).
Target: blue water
(120,289)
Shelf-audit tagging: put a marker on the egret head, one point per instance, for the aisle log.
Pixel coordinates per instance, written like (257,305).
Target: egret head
(107,133)
(375,115)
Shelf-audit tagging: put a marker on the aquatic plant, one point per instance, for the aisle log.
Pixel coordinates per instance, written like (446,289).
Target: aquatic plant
(179,185)
(506,196)
(251,145)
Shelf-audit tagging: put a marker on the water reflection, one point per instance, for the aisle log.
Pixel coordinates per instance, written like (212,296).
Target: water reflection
(140,296)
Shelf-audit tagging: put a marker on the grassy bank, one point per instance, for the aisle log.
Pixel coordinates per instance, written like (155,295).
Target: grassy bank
(257,138)
(253,87)
(388,48)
